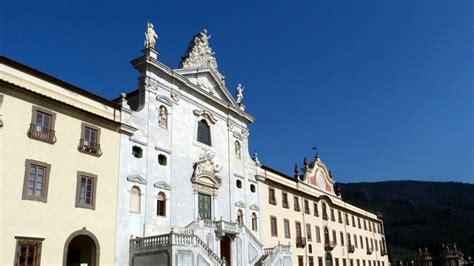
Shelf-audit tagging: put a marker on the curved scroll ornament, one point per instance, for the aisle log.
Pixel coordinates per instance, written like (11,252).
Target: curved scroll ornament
(206,174)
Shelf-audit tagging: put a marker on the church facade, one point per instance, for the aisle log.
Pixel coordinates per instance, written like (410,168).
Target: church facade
(188,193)
(172,181)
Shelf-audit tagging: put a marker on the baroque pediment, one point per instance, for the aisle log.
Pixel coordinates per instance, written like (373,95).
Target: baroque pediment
(240,204)
(137,179)
(207,171)
(162,185)
(254,207)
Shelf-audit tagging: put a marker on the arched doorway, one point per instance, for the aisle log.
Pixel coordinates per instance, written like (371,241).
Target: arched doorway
(81,248)
(328,259)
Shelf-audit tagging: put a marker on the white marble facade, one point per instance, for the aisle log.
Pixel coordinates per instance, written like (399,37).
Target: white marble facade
(162,159)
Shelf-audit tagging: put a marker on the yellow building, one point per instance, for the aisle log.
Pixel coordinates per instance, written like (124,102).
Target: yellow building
(306,214)
(59,168)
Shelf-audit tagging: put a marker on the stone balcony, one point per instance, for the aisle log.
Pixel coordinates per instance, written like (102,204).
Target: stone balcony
(370,250)
(329,245)
(300,242)
(223,227)
(351,248)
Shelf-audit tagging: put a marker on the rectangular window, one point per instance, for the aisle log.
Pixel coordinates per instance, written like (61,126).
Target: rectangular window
(336,260)
(296,203)
(320,261)
(355,241)
(284,200)
(204,206)
(90,140)
(363,262)
(273,226)
(42,125)
(347,219)
(308,232)
(348,239)
(300,261)
(35,183)
(315,206)
(286,224)
(318,234)
(361,242)
(351,262)
(339,216)
(204,132)
(365,225)
(310,261)
(358,222)
(271,196)
(334,236)
(342,238)
(344,263)
(332,215)
(298,229)
(86,189)
(28,251)
(353,221)
(358,262)
(306,207)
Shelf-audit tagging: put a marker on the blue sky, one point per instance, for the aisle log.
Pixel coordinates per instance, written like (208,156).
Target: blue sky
(383,88)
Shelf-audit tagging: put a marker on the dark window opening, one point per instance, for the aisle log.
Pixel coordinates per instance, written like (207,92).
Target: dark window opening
(162,160)
(204,133)
(238,183)
(137,152)
(252,188)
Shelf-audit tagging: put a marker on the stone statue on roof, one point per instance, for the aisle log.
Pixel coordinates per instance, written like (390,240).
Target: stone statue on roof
(150,36)
(240,93)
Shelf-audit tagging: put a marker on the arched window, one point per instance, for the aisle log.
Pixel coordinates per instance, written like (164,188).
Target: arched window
(238,150)
(254,221)
(204,132)
(135,195)
(240,217)
(161,204)
(326,235)
(163,117)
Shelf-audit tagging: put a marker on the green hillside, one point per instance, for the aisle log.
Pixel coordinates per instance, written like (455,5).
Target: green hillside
(419,214)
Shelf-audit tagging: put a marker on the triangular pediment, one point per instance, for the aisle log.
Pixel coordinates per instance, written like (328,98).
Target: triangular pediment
(208,80)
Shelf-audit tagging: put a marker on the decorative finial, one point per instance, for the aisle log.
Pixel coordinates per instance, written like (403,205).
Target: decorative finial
(315,149)
(296,170)
(150,36)
(305,162)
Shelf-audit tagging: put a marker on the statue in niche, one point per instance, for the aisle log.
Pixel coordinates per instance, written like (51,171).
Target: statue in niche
(240,93)
(238,151)
(150,36)
(163,117)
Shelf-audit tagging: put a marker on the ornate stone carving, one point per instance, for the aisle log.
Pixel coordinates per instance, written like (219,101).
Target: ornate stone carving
(150,84)
(150,36)
(206,171)
(175,96)
(238,150)
(199,54)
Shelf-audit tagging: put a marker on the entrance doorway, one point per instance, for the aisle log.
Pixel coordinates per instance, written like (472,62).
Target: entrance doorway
(328,259)
(225,250)
(81,251)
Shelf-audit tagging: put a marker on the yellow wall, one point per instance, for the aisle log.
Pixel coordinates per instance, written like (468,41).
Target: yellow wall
(57,219)
(304,191)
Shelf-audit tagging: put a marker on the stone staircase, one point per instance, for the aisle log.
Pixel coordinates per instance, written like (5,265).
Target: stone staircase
(272,255)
